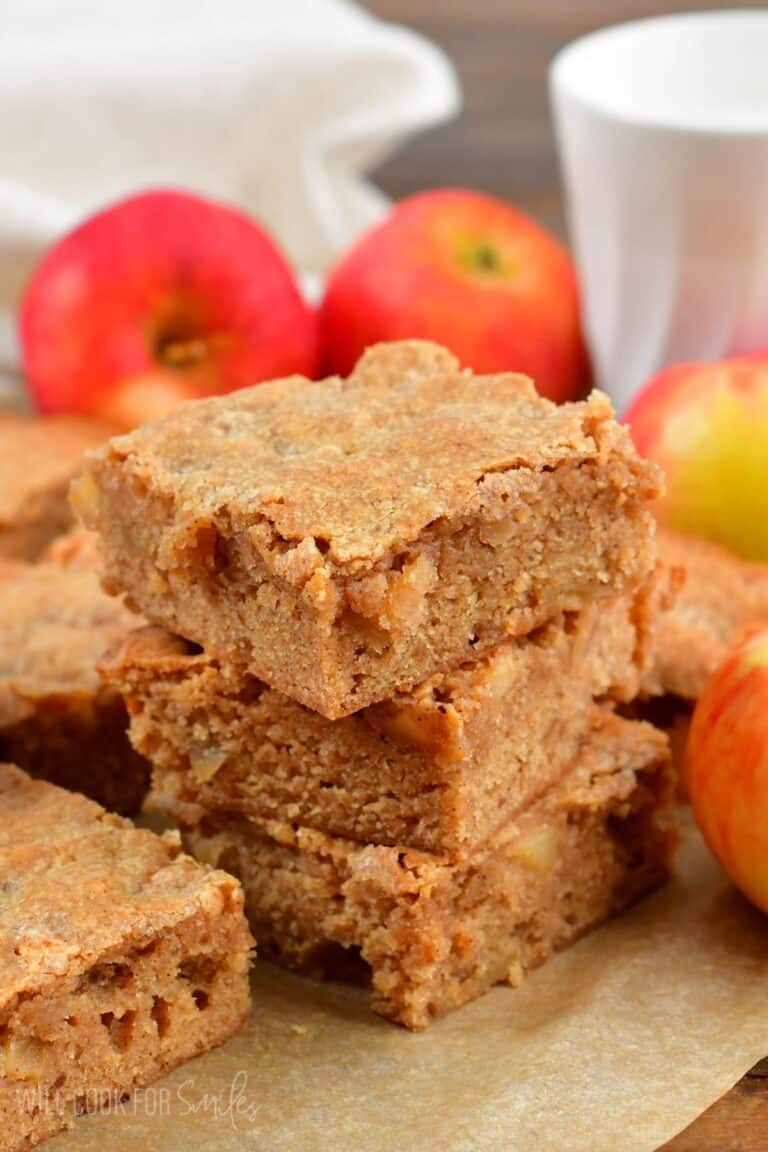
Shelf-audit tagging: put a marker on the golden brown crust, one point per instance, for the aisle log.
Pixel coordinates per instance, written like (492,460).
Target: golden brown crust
(720,595)
(344,539)
(39,456)
(120,957)
(80,881)
(359,467)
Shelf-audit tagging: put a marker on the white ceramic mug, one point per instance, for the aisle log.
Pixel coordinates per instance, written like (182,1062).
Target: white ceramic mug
(663,133)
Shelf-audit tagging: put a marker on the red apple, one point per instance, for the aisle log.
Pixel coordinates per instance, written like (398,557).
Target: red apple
(707,426)
(727,766)
(162,297)
(469,272)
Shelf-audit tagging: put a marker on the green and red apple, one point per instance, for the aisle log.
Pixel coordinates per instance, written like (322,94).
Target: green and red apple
(469,272)
(707,426)
(163,297)
(727,766)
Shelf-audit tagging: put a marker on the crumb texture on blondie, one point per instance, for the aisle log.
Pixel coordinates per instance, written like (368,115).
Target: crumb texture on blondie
(432,934)
(437,768)
(345,539)
(55,623)
(356,468)
(719,596)
(120,957)
(58,720)
(39,456)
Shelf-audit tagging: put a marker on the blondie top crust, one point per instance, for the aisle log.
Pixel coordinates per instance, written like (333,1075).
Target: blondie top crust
(57,719)
(39,456)
(120,957)
(435,934)
(345,539)
(720,595)
(438,768)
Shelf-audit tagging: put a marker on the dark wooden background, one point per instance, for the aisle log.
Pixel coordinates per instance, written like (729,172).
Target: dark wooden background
(503,143)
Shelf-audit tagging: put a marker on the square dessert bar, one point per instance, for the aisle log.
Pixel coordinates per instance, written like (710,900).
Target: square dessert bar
(437,768)
(720,595)
(345,539)
(57,719)
(120,957)
(434,934)
(39,457)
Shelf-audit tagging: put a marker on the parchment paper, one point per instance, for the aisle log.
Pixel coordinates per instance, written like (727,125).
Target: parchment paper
(615,1045)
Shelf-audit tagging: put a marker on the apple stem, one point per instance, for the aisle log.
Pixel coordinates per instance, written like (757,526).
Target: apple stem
(183,353)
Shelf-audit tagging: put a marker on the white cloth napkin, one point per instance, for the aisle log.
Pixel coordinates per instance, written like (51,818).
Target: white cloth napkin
(279,106)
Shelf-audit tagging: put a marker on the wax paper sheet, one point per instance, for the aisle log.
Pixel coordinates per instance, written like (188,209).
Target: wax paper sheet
(616,1044)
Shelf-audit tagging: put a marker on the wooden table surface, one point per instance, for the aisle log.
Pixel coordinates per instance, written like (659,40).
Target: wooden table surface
(503,143)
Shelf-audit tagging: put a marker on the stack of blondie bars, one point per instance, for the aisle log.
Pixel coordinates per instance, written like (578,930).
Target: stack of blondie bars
(392,618)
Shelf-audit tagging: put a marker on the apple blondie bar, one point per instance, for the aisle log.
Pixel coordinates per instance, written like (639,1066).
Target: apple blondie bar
(346,539)
(432,933)
(57,719)
(437,768)
(39,456)
(719,596)
(120,958)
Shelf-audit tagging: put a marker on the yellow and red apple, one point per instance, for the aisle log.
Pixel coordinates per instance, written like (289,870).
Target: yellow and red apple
(163,297)
(469,272)
(707,426)
(727,766)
